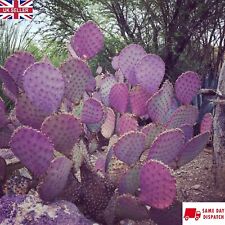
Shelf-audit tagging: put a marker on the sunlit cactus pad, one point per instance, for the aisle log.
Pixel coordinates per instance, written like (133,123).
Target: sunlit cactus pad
(87,40)
(16,65)
(44,86)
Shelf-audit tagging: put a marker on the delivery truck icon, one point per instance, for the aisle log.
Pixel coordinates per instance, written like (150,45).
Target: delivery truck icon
(192,213)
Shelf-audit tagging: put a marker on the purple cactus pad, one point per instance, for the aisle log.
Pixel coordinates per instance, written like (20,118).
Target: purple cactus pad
(150,71)
(87,41)
(16,65)
(187,86)
(118,97)
(64,130)
(158,186)
(55,179)
(128,58)
(33,149)
(44,86)
(77,76)
(129,147)
(206,124)
(92,112)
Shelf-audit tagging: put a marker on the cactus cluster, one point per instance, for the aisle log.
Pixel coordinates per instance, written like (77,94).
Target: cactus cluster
(105,143)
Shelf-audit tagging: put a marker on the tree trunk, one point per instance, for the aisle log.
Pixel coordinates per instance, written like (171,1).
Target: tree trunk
(219,136)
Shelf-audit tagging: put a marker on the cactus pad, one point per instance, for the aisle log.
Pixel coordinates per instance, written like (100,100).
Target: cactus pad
(55,179)
(188,131)
(128,58)
(206,124)
(88,40)
(118,97)
(158,186)
(77,77)
(5,135)
(106,85)
(166,146)
(187,114)
(130,182)
(108,126)
(44,86)
(17,63)
(64,130)
(192,148)
(127,122)
(187,86)
(8,82)
(2,170)
(138,99)
(150,71)
(160,103)
(33,149)
(3,116)
(130,207)
(115,62)
(151,131)
(27,113)
(92,112)
(129,147)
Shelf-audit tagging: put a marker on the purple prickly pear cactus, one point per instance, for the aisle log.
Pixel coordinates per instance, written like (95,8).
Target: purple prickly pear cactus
(154,176)
(118,97)
(206,124)
(27,113)
(128,58)
(77,76)
(187,86)
(138,99)
(150,71)
(55,179)
(130,146)
(108,126)
(166,146)
(33,148)
(44,86)
(16,65)
(87,41)
(64,130)
(8,82)
(160,103)
(104,143)
(92,112)
(127,122)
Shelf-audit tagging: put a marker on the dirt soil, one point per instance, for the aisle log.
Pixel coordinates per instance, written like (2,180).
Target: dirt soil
(195,180)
